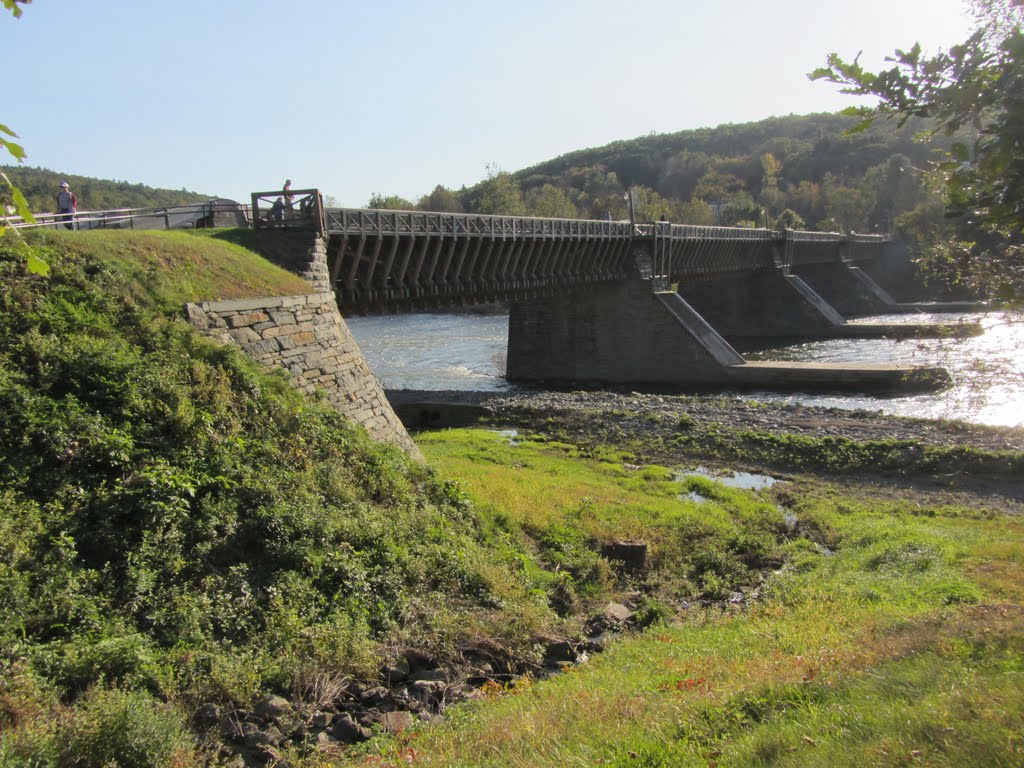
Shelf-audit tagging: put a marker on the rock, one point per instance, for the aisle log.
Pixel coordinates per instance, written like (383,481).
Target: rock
(208,714)
(197,317)
(559,651)
(325,740)
(374,695)
(345,729)
(429,675)
(254,736)
(630,555)
(397,671)
(273,707)
(615,616)
(428,691)
(272,735)
(268,755)
(322,720)
(396,722)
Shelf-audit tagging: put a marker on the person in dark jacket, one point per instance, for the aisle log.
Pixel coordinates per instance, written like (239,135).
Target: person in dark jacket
(67,204)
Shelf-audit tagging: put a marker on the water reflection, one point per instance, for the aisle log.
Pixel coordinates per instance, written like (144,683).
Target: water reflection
(987,370)
(441,351)
(746,480)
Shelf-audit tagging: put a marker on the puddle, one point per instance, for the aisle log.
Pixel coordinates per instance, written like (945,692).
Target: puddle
(745,480)
(511,434)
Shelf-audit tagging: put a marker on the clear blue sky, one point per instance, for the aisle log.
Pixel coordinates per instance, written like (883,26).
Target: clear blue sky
(227,97)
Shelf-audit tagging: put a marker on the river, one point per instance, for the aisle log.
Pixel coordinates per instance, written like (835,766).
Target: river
(467,352)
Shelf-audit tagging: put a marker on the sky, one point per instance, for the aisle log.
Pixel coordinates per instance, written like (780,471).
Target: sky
(230,97)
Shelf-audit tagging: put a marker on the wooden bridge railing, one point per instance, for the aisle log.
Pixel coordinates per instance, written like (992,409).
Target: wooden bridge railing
(288,209)
(356,221)
(168,217)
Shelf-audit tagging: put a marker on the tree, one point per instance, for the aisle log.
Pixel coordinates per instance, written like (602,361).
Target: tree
(390,203)
(550,202)
(441,200)
(977,89)
(12,202)
(500,194)
(789,219)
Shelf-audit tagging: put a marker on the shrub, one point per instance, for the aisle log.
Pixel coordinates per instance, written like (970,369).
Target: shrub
(113,726)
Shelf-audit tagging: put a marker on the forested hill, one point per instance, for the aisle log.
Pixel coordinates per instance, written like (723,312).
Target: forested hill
(804,171)
(40,187)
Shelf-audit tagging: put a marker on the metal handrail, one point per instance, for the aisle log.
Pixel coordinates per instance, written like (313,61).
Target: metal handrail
(395,222)
(118,217)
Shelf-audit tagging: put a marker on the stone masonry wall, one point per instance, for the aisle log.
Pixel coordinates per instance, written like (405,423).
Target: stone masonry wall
(300,251)
(307,336)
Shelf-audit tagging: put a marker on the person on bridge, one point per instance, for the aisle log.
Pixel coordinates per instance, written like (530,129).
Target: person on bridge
(289,198)
(277,211)
(67,204)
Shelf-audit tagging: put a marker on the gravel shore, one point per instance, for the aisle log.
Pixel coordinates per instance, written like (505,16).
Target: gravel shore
(731,411)
(646,424)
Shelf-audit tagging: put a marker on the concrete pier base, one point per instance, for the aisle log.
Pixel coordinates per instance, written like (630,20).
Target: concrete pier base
(839,377)
(625,334)
(773,304)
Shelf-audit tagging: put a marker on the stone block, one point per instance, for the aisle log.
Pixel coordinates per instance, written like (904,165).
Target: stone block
(196,316)
(244,336)
(243,305)
(246,319)
(283,318)
(262,347)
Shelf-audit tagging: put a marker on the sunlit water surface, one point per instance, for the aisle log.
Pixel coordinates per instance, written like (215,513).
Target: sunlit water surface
(467,352)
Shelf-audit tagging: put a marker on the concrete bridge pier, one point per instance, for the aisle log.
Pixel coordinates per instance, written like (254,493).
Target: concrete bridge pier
(612,333)
(767,302)
(774,303)
(626,334)
(840,286)
(852,291)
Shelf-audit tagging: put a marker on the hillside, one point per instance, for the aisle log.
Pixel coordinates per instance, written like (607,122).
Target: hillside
(40,187)
(805,171)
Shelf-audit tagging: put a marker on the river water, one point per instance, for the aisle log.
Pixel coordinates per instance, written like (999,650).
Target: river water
(467,352)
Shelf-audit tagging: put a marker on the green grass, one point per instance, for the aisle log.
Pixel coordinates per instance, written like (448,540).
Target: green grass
(901,644)
(173,267)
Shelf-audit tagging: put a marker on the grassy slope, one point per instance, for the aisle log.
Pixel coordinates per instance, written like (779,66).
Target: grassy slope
(905,647)
(179,527)
(170,268)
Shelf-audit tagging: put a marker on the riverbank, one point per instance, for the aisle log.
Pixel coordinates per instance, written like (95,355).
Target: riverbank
(948,460)
(864,610)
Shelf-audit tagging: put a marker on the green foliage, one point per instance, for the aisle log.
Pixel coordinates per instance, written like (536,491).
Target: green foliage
(389,203)
(40,187)
(14,6)
(693,177)
(500,195)
(177,524)
(120,727)
(550,202)
(974,93)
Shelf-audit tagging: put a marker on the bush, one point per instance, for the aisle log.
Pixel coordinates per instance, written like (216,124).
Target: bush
(115,727)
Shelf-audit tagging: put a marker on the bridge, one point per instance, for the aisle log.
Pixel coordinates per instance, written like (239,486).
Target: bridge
(615,302)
